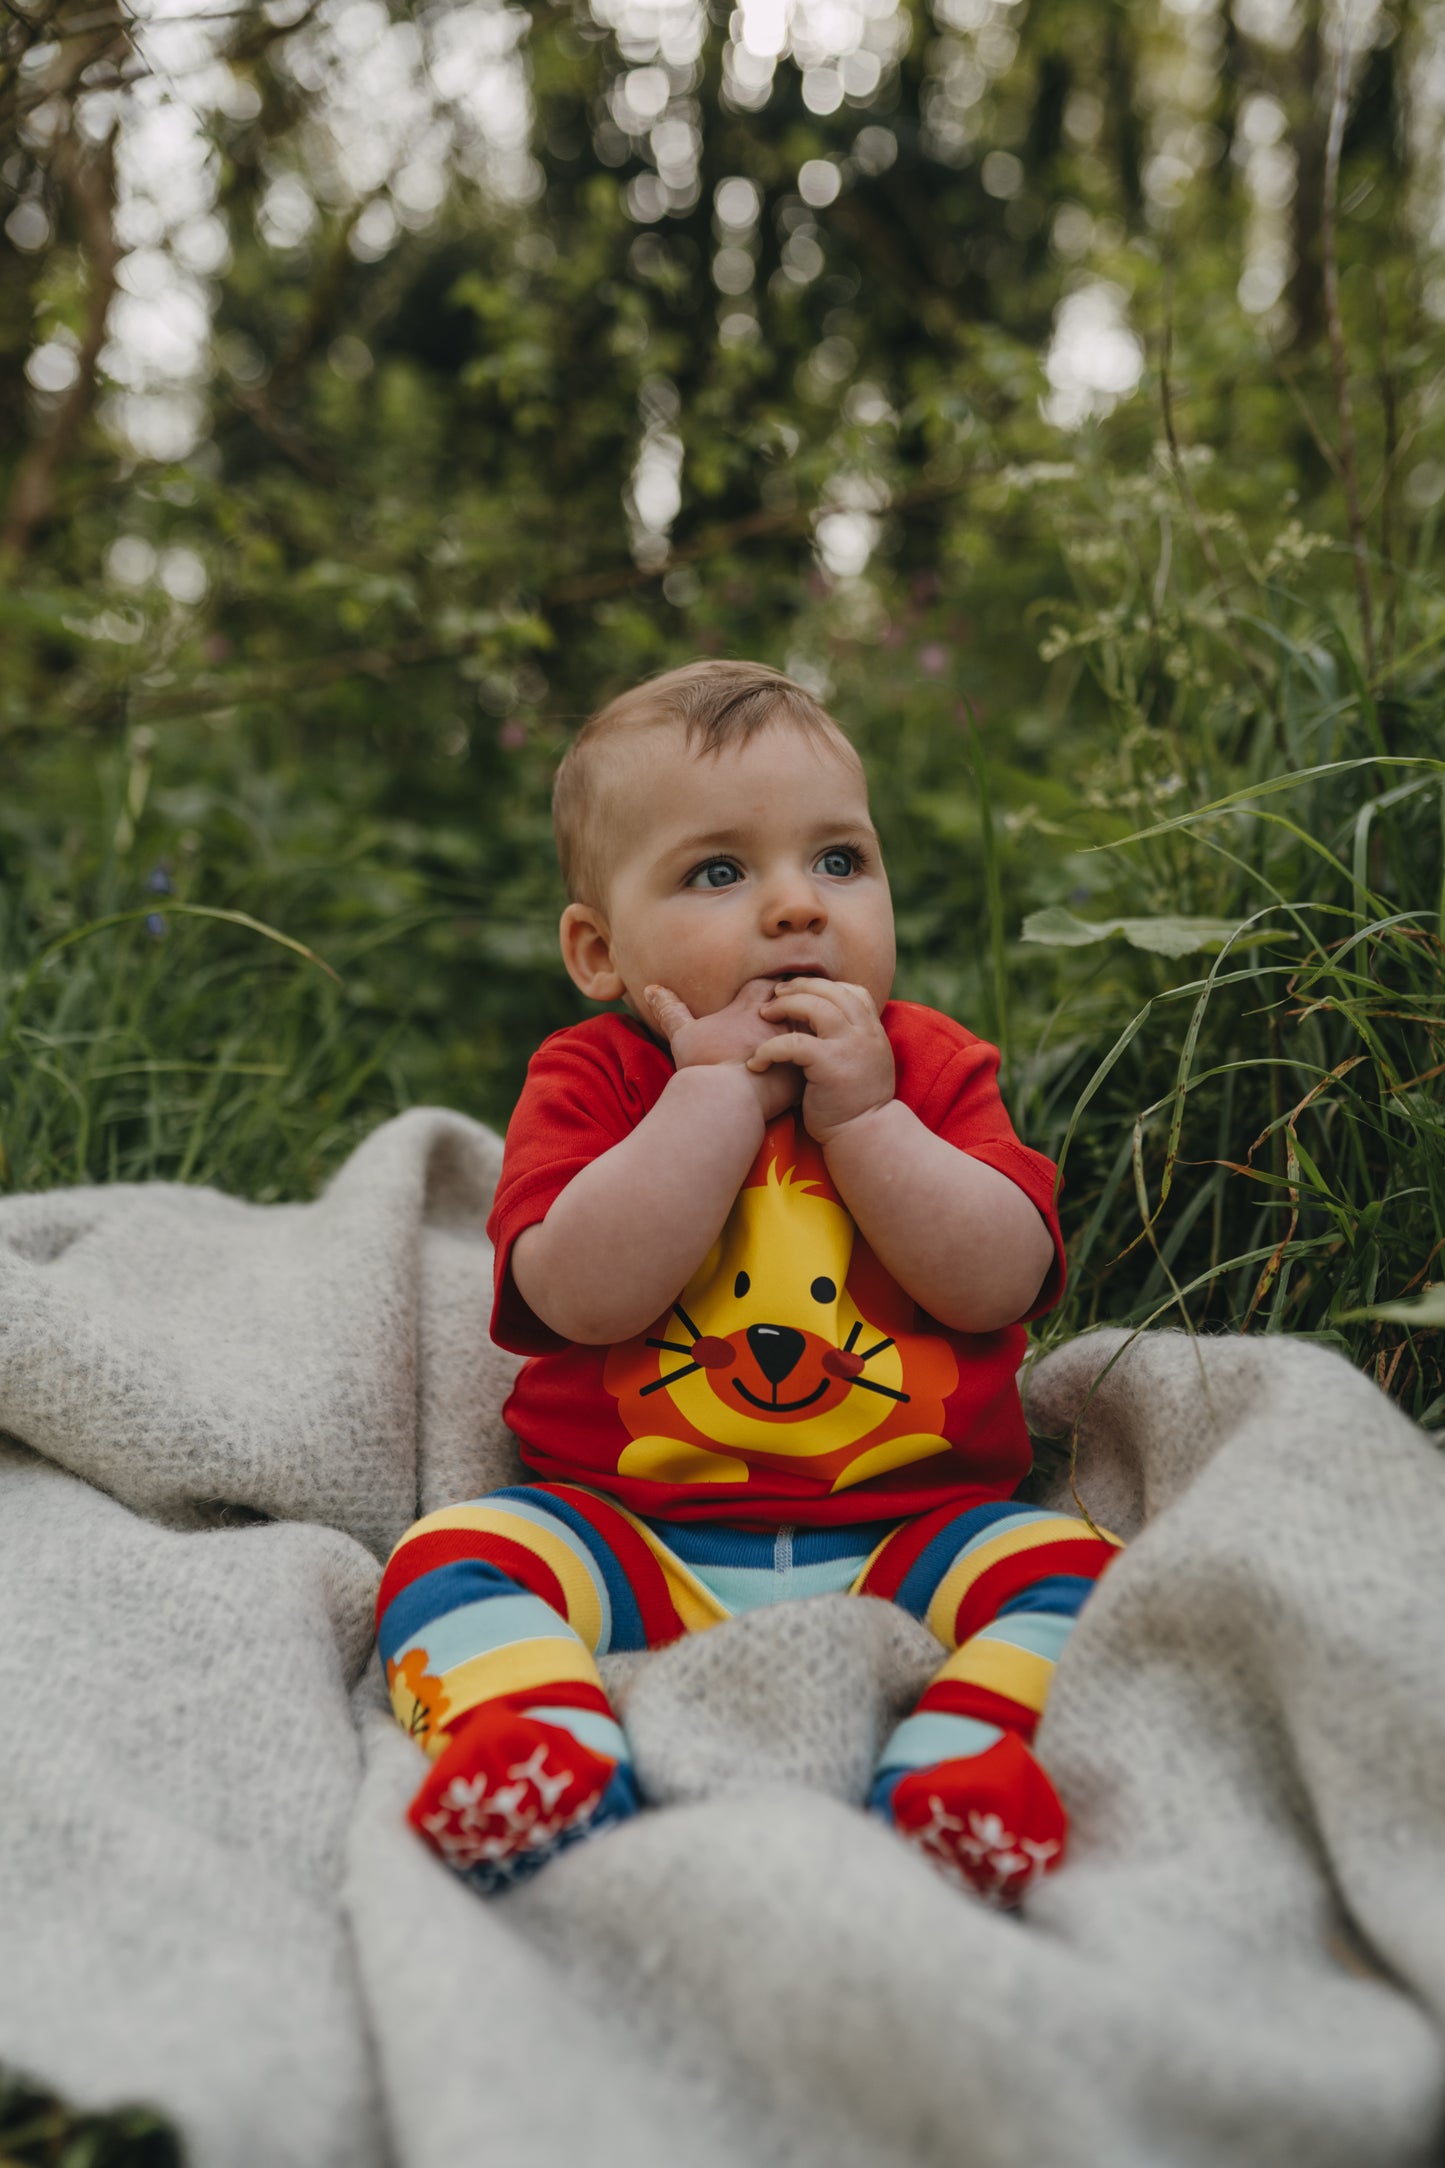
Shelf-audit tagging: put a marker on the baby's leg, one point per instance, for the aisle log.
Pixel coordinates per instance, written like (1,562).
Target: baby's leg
(1001,1586)
(488,1620)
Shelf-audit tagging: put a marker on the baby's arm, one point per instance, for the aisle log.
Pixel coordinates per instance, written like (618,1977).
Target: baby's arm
(961,1238)
(628,1232)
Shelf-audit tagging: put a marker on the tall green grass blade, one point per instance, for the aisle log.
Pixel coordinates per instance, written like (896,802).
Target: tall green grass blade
(993,887)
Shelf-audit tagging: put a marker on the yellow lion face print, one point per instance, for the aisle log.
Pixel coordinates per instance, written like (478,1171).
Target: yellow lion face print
(789,1344)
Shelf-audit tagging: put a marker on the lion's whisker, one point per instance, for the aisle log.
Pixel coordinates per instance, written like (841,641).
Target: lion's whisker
(866,1385)
(877,1349)
(686,1322)
(853,1331)
(674,1347)
(686,1372)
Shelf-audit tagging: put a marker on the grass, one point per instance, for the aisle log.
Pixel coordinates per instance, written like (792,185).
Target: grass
(1261,1146)
(39,2131)
(1206,924)
(1237,1065)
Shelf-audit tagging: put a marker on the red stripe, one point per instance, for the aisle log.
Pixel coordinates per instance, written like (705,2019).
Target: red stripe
(566,1694)
(902,1550)
(1082,1554)
(640,1569)
(955,1697)
(448,1546)
(416,1555)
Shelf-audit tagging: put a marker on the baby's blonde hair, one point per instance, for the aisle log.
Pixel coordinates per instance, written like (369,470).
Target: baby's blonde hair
(717,704)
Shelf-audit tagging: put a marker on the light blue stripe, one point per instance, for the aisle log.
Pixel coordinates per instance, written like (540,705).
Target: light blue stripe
(523,1510)
(602,1733)
(935,1736)
(746,1588)
(827,1576)
(475,1629)
(1042,1632)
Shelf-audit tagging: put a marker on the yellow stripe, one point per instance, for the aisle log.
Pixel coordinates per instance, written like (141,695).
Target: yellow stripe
(584,1612)
(513,1670)
(960,1577)
(855,1587)
(1018,1673)
(695,1602)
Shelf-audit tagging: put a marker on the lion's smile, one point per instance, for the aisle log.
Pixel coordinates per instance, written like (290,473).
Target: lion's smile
(776,1406)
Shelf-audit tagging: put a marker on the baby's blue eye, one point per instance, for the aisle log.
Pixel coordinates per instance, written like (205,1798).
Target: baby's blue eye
(838,864)
(717,873)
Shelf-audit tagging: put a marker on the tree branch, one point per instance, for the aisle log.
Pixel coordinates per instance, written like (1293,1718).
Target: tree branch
(88,176)
(1339,359)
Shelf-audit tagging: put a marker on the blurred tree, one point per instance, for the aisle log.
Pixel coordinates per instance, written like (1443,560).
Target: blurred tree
(383,387)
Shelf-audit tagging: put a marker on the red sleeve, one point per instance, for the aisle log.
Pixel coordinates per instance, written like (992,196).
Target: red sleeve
(950,1079)
(586,1089)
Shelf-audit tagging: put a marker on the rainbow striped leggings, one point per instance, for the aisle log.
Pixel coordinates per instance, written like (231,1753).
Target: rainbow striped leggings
(509,1599)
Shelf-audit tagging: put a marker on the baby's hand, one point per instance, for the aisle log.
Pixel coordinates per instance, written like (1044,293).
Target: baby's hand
(842,1051)
(732,1034)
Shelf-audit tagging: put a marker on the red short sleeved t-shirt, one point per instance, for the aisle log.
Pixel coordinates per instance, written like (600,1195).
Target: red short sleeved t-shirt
(793,1381)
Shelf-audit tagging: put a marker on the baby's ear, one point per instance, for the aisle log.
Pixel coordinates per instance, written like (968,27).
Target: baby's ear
(587,953)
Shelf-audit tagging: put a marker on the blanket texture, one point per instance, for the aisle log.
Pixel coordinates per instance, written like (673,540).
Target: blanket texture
(219,1418)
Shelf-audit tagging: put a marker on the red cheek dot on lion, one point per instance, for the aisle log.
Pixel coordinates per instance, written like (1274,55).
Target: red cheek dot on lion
(713,1354)
(840,1364)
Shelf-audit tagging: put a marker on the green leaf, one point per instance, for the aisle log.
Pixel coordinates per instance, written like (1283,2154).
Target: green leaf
(1057,927)
(1425,1313)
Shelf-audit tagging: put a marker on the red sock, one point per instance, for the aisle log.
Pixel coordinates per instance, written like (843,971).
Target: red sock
(508,1792)
(991,1822)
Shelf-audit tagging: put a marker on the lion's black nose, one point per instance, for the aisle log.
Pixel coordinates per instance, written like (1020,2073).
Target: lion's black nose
(777,1348)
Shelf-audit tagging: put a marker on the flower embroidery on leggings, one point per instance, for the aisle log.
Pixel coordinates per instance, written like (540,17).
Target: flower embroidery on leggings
(429,1702)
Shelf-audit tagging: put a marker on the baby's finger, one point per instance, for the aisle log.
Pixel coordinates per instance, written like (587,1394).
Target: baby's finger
(669,1009)
(811,1004)
(794,1046)
(854,1001)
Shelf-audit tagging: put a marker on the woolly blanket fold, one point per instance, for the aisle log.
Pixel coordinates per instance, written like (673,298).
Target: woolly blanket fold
(220,1416)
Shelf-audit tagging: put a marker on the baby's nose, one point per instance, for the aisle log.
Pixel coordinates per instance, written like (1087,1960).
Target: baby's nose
(777,1348)
(795,906)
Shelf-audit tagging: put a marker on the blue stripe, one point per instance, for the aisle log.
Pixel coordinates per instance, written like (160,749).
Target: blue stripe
(880,1795)
(1065,1593)
(920,1583)
(700,1543)
(626,1631)
(431,1595)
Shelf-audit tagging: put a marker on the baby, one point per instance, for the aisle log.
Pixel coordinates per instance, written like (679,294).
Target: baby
(767,1238)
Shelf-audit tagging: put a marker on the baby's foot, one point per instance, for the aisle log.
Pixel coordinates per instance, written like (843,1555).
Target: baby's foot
(991,1822)
(510,1792)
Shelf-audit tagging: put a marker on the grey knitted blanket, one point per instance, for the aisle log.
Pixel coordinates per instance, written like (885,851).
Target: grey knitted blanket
(220,1417)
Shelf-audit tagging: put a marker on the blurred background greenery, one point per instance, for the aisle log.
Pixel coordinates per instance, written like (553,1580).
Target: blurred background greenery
(1053,385)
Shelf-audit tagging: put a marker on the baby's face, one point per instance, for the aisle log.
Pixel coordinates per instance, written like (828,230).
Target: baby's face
(759,862)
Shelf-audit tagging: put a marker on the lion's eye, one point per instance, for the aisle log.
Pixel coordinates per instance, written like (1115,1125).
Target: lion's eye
(741,1285)
(823,1290)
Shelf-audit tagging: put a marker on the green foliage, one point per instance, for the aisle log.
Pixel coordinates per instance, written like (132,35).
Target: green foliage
(38,2131)
(1151,701)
